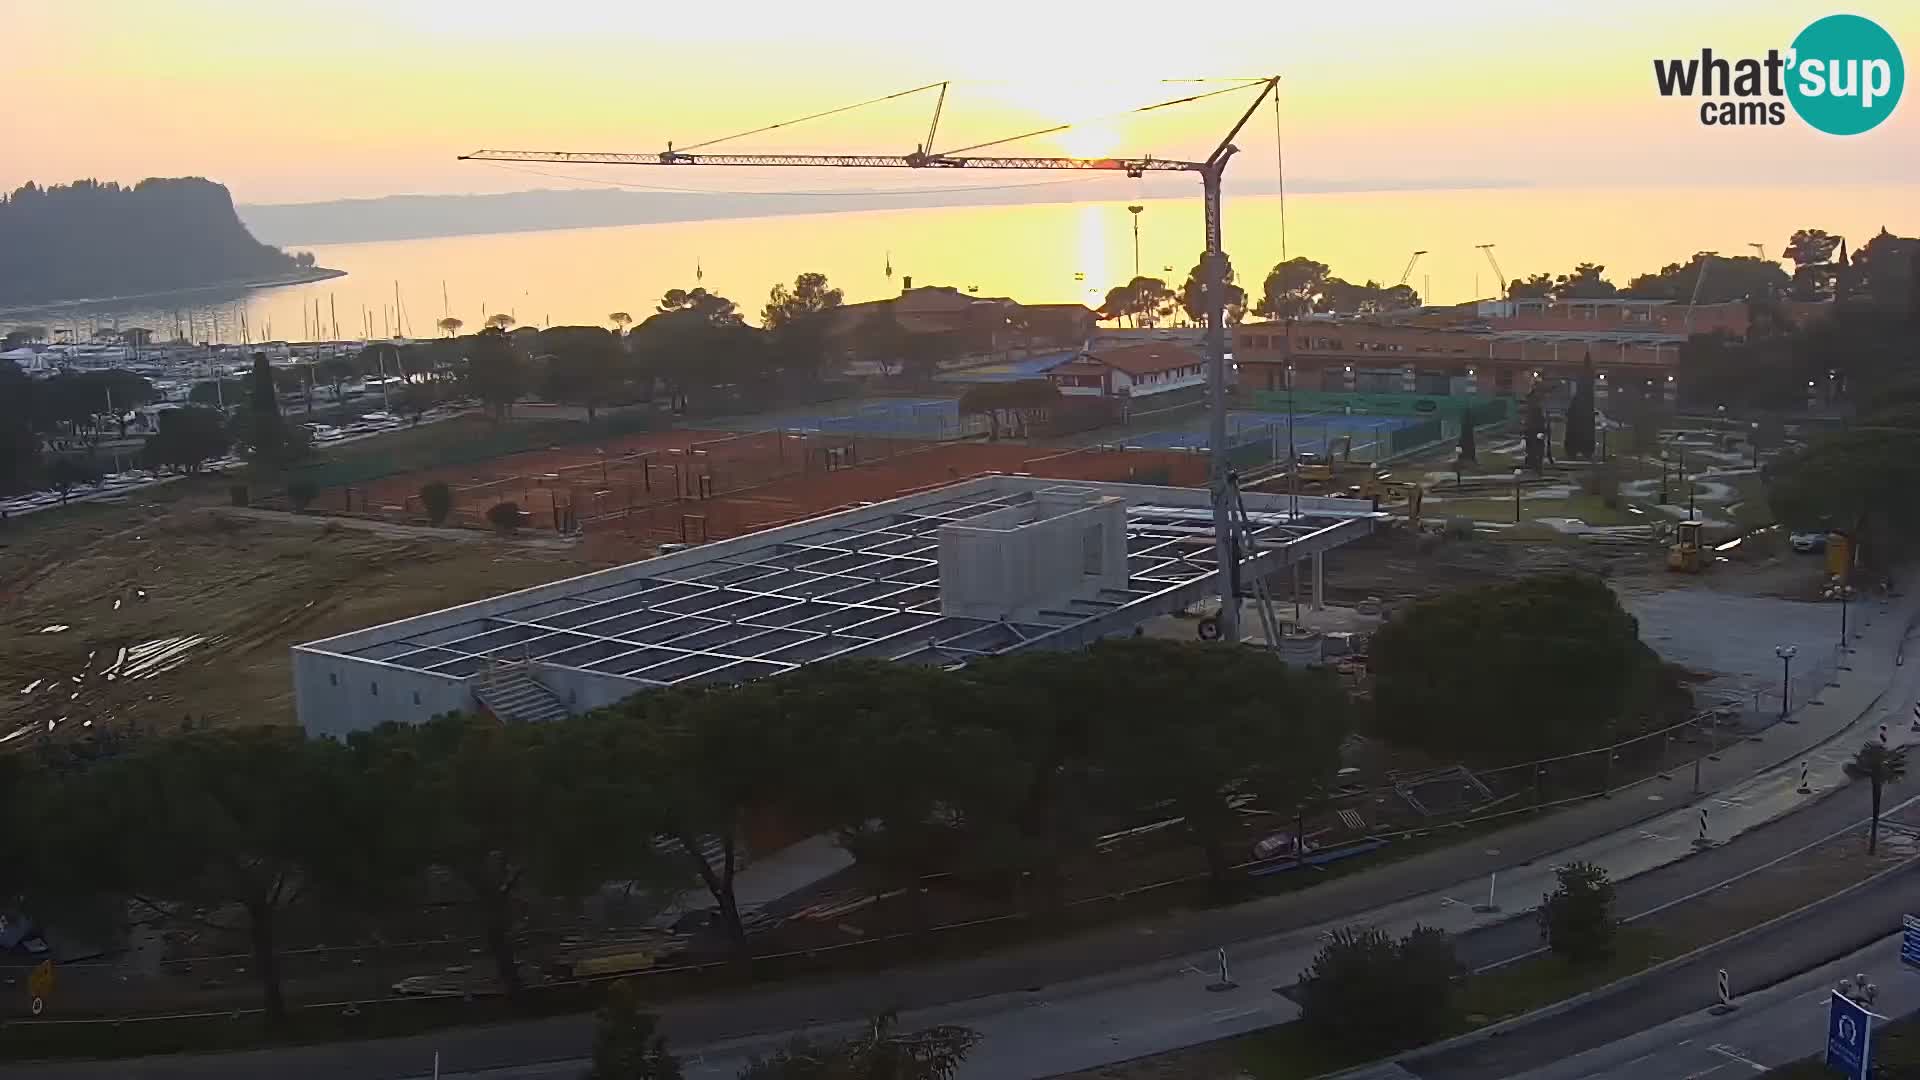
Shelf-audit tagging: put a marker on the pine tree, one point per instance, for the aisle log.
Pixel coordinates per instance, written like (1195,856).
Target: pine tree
(1580,421)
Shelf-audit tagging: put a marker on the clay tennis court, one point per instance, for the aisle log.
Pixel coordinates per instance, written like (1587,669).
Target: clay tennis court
(594,480)
(629,494)
(696,519)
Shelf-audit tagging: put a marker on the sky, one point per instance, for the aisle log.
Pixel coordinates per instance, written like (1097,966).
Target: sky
(304,100)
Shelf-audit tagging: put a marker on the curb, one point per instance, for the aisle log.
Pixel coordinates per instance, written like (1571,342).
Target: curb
(1620,985)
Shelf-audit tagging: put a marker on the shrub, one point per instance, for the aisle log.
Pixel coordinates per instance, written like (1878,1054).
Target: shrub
(301,492)
(437,498)
(237,494)
(626,1041)
(504,516)
(1576,918)
(1368,991)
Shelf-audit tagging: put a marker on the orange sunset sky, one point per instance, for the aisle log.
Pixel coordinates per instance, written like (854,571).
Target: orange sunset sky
(288,100)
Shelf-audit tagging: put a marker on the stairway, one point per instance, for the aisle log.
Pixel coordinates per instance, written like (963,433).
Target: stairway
(518,696)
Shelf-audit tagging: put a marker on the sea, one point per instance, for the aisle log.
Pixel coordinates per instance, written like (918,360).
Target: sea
(1036,253)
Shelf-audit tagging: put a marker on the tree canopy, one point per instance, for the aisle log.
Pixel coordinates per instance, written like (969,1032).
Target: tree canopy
(581,365)
(1513,671)
(809,296)
(188,438)
(1739,277)
(496,370)
(1193,295)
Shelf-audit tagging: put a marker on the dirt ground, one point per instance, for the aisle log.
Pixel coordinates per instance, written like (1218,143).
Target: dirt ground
(143,614)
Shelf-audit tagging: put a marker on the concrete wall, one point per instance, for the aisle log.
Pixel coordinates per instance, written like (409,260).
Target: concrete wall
(583,690)
(1010,563)
(334,695)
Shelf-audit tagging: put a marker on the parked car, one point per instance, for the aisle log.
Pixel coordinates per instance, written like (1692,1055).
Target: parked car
(1808,542)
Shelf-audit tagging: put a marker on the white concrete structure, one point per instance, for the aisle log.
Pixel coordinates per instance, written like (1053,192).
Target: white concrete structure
(1015,562)
(1031,563)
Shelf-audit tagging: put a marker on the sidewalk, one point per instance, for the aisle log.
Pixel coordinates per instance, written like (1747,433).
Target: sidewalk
(1124,991)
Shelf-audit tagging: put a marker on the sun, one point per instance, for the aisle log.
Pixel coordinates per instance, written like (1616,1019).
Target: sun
(1095,138)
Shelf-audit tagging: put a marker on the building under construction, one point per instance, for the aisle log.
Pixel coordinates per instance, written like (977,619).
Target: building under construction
(986,566)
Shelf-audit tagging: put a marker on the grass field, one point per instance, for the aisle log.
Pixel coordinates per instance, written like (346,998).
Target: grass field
(205,606)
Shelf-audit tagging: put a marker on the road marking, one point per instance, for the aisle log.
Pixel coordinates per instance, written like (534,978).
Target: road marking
(1704,1072)
(1729,1052)
(1227,1016)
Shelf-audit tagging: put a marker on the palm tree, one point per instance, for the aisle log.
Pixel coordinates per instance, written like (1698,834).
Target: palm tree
(1879,765)
(620,320)
(450,325)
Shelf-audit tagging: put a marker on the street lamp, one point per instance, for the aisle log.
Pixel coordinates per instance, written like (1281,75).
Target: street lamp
(1753,441)
(1786,654)
(1516,496)
(1135,209)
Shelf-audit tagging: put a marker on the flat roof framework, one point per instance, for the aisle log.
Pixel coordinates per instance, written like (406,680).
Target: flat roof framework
(861,583)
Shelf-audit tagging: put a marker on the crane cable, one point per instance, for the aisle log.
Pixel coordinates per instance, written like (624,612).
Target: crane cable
(804,119)
(1105,116)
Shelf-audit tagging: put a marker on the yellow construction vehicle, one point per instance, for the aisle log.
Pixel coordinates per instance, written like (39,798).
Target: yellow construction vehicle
(1685,554)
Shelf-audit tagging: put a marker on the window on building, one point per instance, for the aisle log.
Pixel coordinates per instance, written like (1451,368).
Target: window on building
(416,697)
(376,689)
(333,678)
(1093,549)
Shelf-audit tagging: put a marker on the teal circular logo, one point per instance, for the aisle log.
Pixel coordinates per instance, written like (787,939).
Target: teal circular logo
(1846,75)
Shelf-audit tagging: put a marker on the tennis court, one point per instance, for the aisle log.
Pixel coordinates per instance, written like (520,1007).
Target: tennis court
(1313,433)
(925,419)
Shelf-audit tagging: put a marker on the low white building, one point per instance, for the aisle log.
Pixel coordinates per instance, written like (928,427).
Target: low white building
(1133,371)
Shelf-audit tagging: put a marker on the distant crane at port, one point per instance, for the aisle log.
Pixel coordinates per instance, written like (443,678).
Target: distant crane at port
(1405,273)
(1499,278)
(1759,249)
(1210,169)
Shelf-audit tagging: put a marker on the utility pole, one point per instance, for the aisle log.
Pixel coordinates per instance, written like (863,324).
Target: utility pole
(1211,171)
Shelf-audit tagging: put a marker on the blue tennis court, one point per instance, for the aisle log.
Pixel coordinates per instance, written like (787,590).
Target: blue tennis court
(1313,433)
(894,418)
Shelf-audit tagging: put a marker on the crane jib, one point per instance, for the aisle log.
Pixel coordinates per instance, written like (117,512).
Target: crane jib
(1130,166)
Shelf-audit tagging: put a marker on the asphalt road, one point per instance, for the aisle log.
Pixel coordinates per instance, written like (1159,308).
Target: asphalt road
(1647,893)
(1784,1023)
(1795,945)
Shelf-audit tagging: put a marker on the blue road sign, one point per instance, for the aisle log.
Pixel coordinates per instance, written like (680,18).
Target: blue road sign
(1849,1038)
(1910,941)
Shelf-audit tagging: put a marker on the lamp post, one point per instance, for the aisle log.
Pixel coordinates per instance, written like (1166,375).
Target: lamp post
(1786,654)
(1135,209)
(1753,442)
(1516,496)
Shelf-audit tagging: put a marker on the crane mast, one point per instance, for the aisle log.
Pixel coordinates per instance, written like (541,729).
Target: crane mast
(1211,171)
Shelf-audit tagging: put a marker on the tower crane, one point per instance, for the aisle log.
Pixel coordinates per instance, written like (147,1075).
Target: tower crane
(1210,169)
(1499,278)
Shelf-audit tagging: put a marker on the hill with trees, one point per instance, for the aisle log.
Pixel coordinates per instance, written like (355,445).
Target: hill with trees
(92,239)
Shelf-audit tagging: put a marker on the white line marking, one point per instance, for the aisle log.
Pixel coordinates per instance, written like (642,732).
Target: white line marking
(1729,1052)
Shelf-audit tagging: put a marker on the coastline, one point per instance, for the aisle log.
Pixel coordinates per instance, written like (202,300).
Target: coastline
(292,277)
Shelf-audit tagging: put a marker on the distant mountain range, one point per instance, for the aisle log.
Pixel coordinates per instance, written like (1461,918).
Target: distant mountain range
(409,217)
